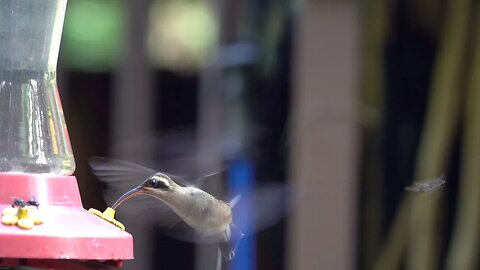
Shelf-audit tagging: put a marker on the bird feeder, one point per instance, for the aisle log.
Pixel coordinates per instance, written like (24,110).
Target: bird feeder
(44,223)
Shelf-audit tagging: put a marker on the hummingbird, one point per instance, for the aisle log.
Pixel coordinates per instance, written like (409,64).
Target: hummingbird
(427,186)
(211,219)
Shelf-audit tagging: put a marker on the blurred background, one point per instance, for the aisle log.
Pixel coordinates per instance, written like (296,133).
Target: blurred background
(346,102)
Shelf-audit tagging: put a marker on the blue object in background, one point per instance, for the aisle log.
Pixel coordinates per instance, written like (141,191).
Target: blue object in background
(241,177)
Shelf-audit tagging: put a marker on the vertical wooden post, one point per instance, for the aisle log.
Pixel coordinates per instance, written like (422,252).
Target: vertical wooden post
(210,110)
(132,99)
(324,137)
(133,95)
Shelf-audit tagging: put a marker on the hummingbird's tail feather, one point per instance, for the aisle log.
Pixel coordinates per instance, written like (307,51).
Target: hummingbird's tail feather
(234,201)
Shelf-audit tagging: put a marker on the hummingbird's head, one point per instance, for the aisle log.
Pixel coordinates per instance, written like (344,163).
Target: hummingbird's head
(157,182)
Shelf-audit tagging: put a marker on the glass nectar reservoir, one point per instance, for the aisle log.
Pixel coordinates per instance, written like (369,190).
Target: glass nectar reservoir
(33,134)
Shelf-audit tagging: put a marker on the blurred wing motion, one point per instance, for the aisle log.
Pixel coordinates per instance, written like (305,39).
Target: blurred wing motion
(113,170)
(427,186)
(265,206)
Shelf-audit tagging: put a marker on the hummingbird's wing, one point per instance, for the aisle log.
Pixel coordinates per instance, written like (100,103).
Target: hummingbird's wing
(114,171)
(213,183)
(111,171)
(252,212)
(174,151)
(265,206)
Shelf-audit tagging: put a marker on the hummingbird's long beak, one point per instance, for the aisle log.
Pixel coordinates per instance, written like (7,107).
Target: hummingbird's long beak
(129,194)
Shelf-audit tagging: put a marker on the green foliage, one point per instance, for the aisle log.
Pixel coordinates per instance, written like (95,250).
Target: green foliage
(93,35)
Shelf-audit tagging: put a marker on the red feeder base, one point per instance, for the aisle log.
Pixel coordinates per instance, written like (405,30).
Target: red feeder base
(69,233)
(61,264)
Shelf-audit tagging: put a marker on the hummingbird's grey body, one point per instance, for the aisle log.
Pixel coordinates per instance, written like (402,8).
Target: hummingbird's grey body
(203,212)
(206,214)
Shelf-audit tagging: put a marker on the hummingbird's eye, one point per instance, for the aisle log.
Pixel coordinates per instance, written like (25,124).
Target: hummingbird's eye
(158,182)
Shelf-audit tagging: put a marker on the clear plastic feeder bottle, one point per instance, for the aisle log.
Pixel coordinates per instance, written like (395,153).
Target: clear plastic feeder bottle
(33,135)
